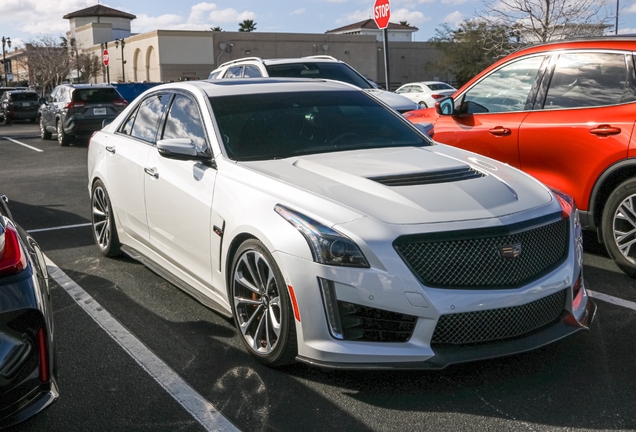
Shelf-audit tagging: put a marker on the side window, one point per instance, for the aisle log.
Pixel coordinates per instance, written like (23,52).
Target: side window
(589,80)
(252,72)
(234,72)
(214,75)
(505,90)
(147,117)
(184,121)
(126,128)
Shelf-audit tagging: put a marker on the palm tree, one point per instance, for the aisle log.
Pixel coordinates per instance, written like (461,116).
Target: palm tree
(247,25)
(215,29)
(405,23)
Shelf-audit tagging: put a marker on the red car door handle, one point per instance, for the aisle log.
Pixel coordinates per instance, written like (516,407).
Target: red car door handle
(605,130)
(500,131)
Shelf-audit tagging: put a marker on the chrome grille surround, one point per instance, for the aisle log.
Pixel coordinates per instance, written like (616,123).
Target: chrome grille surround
(498,324)
(487,258)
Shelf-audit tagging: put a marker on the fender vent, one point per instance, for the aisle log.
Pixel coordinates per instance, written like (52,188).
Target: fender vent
(425,178)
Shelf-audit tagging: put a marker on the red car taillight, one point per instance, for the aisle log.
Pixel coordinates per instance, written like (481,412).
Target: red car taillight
(43,355)
(438,96)
(74,104)
(12,258)
(120,103)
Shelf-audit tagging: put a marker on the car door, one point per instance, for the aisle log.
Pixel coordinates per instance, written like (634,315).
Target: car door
(584,122)
(489,113)
(128,149)
(178,195)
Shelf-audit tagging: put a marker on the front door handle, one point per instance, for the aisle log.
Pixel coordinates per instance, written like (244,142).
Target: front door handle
(110,149)
(152,172)
(605,130)
(500,131)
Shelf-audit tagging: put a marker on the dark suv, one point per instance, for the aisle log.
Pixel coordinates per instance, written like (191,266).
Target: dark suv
(19,105)
(75,110)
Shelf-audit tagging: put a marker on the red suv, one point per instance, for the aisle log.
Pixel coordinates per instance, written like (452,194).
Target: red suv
(563,112)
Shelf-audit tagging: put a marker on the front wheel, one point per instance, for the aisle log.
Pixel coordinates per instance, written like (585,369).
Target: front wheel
(44,134)
(261,306)
(423,104)
(619,226)
(103,221)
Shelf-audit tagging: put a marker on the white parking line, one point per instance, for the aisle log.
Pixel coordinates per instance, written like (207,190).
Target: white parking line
(59,228)
(23,144)
(613,300)
(195,404)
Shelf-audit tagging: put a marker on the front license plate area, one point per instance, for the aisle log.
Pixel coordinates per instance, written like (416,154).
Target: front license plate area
(99,111)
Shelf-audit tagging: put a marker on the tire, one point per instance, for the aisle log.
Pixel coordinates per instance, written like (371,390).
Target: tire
(44,134)
(103,221)
(619,217)
(423,104)
(62,138)
(6,119)
(271,336)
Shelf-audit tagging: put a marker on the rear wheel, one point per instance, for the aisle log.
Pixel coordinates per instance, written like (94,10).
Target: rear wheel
(62,138)
(44,134)
(261,306)
(423,104)
(103,221)
(6,119)
(619,226)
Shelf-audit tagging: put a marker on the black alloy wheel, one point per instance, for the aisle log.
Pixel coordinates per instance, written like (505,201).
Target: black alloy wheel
(103,221)
(62,138)
(261,306)
(44,134)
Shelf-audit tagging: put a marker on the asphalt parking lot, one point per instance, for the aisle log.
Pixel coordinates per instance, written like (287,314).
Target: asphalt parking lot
(585,382)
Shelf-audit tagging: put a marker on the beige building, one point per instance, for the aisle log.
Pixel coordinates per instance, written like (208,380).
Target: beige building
(172,55)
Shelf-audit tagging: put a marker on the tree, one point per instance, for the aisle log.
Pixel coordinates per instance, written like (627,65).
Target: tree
(47,62)
(469,49)
(534,21)
(90,66)
(247,25)
(216,29)
(405,23)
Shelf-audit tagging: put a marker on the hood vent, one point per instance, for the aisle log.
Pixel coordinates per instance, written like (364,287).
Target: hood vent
(425,178)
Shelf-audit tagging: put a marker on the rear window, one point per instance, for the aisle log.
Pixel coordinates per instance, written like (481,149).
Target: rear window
(440,86)
(103,95)
(24,97)
(322,70)
(281,125)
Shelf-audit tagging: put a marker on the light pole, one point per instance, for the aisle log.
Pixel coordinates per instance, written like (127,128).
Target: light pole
(616,28)
(123,62)
(6,41)
(74,50)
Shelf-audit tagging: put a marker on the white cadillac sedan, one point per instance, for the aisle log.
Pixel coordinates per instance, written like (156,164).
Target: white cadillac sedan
(334,231)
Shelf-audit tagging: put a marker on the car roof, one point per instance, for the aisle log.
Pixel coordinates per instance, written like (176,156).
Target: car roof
(237,86)
(82,86)
(275,61)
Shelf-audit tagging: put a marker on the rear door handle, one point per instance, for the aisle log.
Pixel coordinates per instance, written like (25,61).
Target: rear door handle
(500,131)
(605,130)
(152,172)
(110,149)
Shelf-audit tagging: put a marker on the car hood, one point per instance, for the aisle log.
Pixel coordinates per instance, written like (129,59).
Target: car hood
(351,179)
(397,102)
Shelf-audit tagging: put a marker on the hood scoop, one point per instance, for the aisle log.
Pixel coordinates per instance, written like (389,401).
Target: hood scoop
(427,178)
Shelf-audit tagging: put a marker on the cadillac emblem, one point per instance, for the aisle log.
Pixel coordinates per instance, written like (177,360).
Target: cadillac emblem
(511,251)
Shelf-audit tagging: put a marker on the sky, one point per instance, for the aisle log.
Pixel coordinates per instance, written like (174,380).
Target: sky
(25,20)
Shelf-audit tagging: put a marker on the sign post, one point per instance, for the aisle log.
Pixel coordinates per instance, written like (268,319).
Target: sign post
(106,60)
(381,16)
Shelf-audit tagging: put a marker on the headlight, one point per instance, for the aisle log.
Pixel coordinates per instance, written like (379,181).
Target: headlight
(327,245)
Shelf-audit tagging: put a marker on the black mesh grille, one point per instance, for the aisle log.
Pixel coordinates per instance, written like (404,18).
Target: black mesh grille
(362,323)
(496,324)
(476,259)
(425,178)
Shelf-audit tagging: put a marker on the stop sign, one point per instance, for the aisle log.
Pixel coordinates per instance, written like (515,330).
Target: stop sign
(382,13)
(105,57)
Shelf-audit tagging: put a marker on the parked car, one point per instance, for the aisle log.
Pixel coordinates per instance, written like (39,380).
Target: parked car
(27,350)
(563,112)
(77,110)
(19,105)
(321,67)
(426,93)
(333,230)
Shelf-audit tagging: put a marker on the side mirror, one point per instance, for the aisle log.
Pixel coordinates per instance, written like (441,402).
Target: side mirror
(178,148)
(42,101)
(445,106)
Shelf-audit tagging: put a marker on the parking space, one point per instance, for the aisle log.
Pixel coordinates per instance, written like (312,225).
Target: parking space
(583,382)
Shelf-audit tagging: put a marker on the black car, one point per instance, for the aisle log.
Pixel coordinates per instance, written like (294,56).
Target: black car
(19,105)
(27,351)
(78,110)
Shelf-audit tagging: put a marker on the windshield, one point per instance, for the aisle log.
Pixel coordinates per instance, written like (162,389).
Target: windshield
(281,125)
(325,70)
